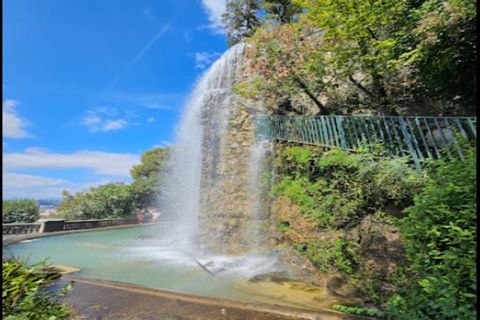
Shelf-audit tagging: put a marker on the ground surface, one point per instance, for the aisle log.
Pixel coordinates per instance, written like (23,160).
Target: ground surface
(92,299)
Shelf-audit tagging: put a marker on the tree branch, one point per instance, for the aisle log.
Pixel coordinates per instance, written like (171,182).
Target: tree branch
(361,87)
(371,33)
(321,107)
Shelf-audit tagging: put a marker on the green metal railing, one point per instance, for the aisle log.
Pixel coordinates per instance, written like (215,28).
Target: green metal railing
(418,137)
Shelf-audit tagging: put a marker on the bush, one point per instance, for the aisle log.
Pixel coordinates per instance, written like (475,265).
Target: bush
(328,254)
(440,241)
(25,295)
(337,189)
(113,200)
(364,311)
(20,211)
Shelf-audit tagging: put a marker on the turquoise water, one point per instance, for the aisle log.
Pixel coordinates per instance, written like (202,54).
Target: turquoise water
(139,256)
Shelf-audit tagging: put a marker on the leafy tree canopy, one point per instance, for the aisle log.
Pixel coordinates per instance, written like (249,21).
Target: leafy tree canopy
(20,211)
(113,200)
(148,176)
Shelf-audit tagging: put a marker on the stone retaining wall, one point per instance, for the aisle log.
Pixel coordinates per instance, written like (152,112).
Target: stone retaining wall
(53,225)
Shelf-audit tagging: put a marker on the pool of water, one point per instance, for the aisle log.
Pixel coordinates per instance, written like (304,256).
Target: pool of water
(140,256)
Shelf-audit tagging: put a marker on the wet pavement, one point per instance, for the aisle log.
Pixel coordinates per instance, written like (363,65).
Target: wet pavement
(107,300)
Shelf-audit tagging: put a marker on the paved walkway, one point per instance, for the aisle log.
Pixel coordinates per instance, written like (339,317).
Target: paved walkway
(107,300)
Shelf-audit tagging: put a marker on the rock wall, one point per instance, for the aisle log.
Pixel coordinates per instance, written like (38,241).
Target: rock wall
(232,213)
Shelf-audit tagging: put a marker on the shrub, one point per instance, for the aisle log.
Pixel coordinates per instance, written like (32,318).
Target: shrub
(20,211)
(25,295)
(329,254)
(337,189)
(358,310)
(440,241)
(112,200)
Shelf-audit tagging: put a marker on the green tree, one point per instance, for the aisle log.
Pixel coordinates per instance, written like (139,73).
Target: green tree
(400,54)
(360,39)
(282,58)
(113,200)
(284,11)
(148,176)
(153,162)
(240,19)
(20,211)
(440,241)
(442,46)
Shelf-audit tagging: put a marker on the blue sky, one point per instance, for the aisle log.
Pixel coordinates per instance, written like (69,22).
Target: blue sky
(89,85)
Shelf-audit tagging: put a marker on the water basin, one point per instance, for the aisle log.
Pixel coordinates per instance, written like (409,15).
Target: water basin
(139,256)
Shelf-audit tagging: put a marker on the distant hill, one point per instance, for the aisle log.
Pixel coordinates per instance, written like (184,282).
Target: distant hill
(51,203)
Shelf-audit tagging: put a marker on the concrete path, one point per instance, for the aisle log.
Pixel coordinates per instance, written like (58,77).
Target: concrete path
(107,300)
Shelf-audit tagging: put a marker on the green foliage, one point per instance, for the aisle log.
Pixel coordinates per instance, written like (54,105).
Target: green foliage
(328,254)
(149,176)
(113,200)
(282,56)
(440,240)
(153,162)
(250,89)
(25,295)
(405,50)
(380,56)
(284,226)
(363,311)
(283,11)
(118,200)
(336,189)
(444,36)
(19,211)
(240,19)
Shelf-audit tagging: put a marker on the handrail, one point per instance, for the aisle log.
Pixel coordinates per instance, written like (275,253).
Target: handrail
(420,137)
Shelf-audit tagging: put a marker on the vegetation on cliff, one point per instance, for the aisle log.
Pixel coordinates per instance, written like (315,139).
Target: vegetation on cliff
(379,230)
(390,57)
(373,226)
(439,234)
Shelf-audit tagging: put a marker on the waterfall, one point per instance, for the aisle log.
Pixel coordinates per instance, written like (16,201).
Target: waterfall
(195,162)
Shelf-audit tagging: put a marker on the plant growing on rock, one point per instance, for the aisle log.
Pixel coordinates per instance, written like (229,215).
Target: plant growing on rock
(440,241)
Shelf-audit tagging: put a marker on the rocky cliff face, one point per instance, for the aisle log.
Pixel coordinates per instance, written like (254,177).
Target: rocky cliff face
(231,214)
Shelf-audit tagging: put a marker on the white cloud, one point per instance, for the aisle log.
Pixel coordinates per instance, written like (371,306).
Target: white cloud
(13,125)
(102,163)
(29,186)
(114,124)
(215,9)
(162,101)
(16,185)
(204,59)
(151,119)
(104,119)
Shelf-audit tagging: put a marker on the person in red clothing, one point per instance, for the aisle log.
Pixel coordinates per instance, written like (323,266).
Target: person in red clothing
(140,217)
